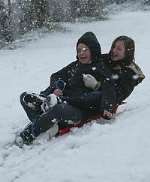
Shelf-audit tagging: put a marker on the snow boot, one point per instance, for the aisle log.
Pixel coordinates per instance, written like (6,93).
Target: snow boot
(33,101)
(25,137)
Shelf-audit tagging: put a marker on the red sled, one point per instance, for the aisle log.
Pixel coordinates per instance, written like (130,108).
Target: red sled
(116,110)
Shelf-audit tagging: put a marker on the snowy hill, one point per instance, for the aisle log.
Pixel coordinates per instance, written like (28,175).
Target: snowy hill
(118,152)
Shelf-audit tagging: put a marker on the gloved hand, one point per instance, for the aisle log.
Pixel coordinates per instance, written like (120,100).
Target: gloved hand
(107,115)
(50,101)
(91,82)
(60,84)
(59,87)
(58,92)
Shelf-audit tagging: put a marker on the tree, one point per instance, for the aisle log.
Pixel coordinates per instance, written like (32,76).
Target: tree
(40,12)
(6,34)
(34,14)
(89,8)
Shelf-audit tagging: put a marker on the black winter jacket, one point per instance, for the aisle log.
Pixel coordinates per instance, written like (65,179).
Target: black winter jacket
(75,92)
(125,77)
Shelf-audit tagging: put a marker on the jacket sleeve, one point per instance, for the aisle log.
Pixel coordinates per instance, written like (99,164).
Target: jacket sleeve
(127,83)
(108,91)
(138,74)
(108,97)
(97,101)
(60,75)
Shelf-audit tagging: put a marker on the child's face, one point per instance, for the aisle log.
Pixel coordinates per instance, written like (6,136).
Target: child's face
(118,51)
(84,54)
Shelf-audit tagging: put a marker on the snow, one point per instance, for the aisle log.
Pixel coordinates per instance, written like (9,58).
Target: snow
(109,153)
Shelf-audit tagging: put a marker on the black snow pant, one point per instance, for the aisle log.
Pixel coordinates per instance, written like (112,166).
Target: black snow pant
(64,114)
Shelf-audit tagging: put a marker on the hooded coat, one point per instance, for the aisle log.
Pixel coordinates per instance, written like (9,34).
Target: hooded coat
(126,74)
(75,93)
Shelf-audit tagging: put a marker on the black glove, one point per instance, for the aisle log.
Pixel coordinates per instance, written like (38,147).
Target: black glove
(107,115)
(60,84)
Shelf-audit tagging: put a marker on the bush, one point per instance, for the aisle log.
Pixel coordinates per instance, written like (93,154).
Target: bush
(6,34)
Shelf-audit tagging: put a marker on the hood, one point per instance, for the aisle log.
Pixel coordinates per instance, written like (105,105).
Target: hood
(90,40)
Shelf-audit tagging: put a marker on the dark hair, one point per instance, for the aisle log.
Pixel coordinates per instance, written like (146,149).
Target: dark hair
(90,40)
(129,48)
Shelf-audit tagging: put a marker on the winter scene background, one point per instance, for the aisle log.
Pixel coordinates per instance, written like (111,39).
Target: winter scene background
(116,152)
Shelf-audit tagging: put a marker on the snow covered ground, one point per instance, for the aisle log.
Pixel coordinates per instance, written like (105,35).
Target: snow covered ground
(118,152)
